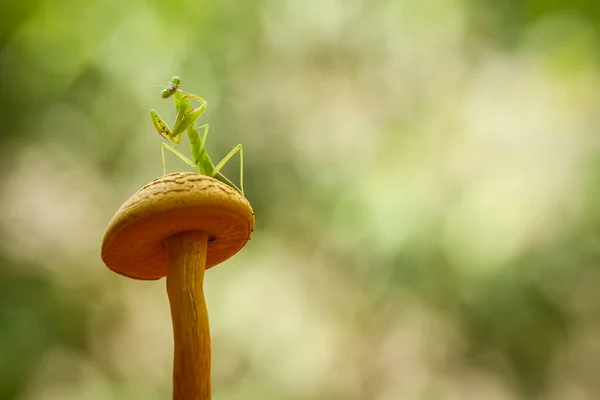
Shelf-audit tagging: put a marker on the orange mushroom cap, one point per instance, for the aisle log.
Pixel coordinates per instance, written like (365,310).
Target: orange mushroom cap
(134,242)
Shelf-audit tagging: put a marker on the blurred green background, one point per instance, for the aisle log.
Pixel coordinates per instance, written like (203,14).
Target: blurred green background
(425,177)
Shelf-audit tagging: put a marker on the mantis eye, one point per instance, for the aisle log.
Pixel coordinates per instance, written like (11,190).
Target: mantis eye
(176,80)
(164,93)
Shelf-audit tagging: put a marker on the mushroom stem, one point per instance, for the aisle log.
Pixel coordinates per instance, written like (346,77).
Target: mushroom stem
(185,278)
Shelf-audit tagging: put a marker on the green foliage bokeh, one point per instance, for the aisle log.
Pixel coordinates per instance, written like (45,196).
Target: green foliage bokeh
(424,176)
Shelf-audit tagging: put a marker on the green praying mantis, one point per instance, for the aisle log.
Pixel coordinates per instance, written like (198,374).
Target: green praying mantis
(185,121)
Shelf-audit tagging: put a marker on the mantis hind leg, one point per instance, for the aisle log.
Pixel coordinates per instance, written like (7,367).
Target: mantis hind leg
(178,154)
(220,177)
(224,161)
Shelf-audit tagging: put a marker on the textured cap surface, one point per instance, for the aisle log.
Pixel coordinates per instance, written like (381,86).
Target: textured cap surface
(134,245)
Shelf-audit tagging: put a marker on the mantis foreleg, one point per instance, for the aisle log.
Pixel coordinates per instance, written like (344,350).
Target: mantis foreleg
(183,120)
(162,128)
(193,96)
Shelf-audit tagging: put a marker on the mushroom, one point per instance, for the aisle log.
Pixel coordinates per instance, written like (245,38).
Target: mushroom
(177,226)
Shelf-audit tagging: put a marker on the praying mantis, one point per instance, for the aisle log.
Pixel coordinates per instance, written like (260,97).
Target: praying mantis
(185,121)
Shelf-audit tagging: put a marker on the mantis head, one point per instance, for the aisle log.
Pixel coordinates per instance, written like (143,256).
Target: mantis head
(171,87)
